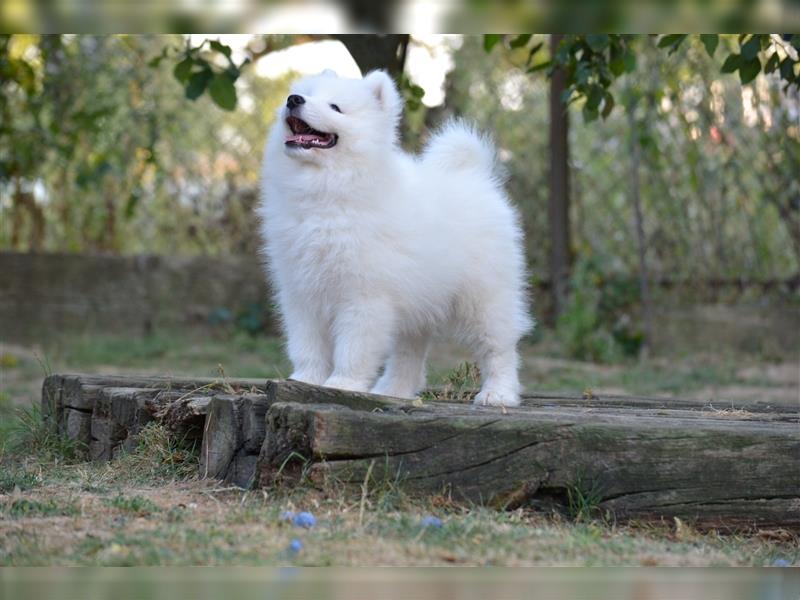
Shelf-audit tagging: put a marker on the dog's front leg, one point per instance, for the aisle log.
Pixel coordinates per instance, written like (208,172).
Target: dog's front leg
(363,334)
(309,345)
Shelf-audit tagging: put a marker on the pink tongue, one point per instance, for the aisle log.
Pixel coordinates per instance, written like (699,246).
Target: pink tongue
(302,138)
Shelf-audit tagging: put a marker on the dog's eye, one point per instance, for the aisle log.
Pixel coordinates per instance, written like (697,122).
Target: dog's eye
(336,108)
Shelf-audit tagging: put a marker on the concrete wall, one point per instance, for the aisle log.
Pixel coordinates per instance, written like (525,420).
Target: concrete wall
(48,295)
(45,295)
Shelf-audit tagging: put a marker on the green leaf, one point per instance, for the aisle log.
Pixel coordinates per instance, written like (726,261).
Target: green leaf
(597,42)
(749,69)
(672,39)
(630,61)
(222,91)
(490,40)
(710,41)
(617,66)
(221,48)
(539,67)
(772,63)
(608,104)
(731,63)
(787,69)
(534,50)
(589,114)
(594,97)
(130,205)
(197,83)
(583,73)
(751,47)
(183,69)
(156,61)
(521,40)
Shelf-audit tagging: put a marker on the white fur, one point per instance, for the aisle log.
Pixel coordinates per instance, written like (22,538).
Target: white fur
(372,251)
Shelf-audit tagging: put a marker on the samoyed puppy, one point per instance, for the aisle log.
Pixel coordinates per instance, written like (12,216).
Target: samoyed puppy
(372,252)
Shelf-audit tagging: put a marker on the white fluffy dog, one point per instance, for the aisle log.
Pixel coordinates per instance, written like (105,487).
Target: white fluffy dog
(372,251)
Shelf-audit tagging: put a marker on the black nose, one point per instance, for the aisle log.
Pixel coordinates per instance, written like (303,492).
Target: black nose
(294,100)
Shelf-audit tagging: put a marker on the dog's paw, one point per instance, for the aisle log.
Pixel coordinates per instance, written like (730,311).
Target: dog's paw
(308,377)
(495,397)
(346,383)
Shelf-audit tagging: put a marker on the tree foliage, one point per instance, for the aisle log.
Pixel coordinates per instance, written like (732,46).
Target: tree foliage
(593,62)
(99,151)
(717,158)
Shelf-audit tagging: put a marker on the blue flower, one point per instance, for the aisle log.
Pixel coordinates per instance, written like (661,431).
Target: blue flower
(295,546)
(304,519)
(434,522)
(286,515)
(780,562)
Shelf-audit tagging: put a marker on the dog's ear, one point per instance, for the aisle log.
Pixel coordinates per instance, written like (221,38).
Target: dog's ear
(385,91)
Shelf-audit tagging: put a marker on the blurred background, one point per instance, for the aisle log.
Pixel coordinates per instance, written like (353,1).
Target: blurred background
(657,178)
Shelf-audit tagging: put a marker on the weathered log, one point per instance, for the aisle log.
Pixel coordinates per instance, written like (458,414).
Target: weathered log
(635,458)
(236,425)
(106,413)
(730,465)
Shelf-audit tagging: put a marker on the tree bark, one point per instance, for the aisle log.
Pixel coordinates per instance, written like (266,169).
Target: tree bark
(384,51)
(558,205)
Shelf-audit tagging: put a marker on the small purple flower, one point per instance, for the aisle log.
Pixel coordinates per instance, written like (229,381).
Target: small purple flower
(295,546)
(434,522)
(780,562)
(304,519)
(286,515)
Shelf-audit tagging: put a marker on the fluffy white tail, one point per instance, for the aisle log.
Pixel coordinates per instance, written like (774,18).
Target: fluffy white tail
(458,145)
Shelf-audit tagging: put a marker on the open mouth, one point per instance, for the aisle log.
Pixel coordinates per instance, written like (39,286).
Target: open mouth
(305,136)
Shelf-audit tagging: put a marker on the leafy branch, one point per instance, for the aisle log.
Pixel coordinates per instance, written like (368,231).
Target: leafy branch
(593,62)
(200,69)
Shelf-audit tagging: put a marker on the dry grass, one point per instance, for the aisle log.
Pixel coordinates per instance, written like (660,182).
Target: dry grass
(147,508)
(93,519)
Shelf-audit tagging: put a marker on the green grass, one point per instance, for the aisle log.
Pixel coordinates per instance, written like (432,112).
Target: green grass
(23,507)
(133,504)
(30,433)
(17,479)
(240,355)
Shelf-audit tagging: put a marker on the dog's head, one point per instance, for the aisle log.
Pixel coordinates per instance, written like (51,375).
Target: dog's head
(326,116)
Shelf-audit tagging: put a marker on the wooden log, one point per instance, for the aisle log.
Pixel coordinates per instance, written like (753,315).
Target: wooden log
(78,425)
(717,469)
(182,412)
(106,412)
(727,464)
(222,438)
(228,451)
(236,424)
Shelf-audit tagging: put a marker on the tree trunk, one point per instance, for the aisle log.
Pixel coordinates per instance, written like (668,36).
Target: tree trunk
(558,207)
(385,51)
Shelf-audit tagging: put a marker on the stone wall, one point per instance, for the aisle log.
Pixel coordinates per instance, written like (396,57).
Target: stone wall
(45,295)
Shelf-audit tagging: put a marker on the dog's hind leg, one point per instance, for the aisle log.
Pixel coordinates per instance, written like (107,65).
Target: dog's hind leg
(492,330)
(404,375)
